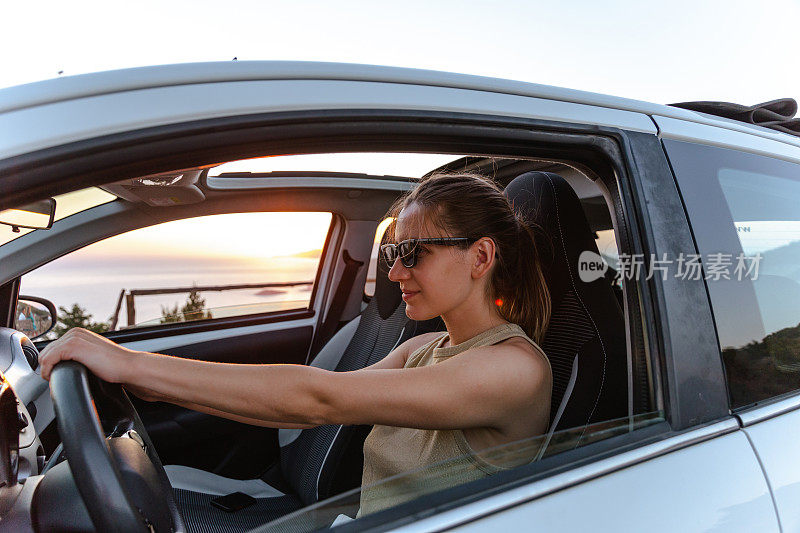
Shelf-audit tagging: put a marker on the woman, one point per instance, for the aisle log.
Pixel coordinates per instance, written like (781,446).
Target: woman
(462,254)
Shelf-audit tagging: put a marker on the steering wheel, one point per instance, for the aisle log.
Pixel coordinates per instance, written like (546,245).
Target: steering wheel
(120,478)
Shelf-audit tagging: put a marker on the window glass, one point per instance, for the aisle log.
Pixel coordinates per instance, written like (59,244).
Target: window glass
(414,484)
(372,270)
(193,269)
(745,212)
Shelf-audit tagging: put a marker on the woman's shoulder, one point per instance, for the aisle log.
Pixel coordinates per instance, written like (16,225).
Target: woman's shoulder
(414,344)
(524,342)
(522,345)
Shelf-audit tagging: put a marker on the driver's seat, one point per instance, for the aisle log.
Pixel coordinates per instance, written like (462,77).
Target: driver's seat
(315,463)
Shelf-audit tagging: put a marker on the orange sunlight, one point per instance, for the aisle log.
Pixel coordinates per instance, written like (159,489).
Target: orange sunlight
(255,236)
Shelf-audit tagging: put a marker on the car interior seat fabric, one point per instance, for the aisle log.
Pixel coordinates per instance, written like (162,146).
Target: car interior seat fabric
(585,339)
(314,463)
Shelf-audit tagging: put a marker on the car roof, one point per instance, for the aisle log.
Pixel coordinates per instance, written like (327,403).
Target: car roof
(94,84)
(65,89)
(101,83)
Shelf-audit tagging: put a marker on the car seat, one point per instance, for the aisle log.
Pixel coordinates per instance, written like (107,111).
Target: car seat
(585,339)
(318,462)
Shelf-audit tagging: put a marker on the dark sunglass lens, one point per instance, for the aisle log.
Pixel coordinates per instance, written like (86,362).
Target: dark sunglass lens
(389,254)
(406,248)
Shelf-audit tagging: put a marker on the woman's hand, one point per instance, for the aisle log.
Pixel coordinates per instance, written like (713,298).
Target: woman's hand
(106,359)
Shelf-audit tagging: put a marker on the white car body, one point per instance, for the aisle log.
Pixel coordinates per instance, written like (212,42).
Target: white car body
(738,473)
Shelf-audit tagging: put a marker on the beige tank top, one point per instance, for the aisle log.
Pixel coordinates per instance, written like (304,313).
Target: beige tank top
(401,464)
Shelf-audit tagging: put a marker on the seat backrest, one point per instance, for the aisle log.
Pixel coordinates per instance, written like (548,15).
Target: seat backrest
(585,339)
(319,462)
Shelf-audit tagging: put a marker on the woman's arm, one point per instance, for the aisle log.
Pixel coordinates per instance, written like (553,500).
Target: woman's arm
(495,383)
(152,396)
(395,359)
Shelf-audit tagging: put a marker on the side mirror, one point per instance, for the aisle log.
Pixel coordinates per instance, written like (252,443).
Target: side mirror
(34,316)
(38,215)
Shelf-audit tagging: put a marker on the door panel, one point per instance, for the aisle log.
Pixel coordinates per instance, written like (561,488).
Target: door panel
(187,437)
(285,342)
(775,441)
(716,485)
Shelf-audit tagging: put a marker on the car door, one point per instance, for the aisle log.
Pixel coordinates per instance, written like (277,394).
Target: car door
(747,204)
(324,108)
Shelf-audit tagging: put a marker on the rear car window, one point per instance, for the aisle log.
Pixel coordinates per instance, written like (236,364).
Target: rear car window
(745,214)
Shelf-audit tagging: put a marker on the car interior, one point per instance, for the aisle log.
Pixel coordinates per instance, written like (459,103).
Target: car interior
(354,316)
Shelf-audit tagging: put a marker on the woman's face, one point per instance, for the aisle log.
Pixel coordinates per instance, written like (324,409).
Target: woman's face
(442,278)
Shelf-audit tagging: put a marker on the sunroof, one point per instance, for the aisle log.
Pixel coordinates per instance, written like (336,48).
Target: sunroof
(411,165)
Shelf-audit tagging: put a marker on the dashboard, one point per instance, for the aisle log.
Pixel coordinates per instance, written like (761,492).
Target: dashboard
(25,410)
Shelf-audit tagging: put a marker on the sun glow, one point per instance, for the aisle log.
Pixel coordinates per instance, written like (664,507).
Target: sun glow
(232,236)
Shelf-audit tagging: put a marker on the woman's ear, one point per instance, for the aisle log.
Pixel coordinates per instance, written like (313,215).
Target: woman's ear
(484,252)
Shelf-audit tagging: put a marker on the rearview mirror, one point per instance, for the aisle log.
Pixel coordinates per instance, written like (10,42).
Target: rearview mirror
(38,215)
(34,316)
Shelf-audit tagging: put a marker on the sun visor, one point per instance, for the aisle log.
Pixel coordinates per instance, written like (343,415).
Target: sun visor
(161,190)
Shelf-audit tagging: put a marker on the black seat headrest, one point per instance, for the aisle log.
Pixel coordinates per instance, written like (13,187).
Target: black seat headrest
(549,205)
(585,338)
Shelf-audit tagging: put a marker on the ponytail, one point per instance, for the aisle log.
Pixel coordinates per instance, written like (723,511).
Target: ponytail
(527,298)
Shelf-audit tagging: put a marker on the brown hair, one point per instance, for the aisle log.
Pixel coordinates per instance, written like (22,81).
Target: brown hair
(470,205)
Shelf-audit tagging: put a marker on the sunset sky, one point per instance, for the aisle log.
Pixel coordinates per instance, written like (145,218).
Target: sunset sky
(261,235)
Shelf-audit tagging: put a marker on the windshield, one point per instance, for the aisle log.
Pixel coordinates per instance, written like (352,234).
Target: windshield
(66,205)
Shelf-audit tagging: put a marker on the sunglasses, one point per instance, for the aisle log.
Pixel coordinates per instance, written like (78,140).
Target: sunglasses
(408,250)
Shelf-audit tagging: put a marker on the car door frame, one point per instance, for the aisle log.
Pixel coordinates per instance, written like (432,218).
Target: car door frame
(198,339)
(638,171)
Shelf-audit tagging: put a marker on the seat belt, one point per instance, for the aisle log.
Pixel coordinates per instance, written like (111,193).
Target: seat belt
(562,406)
(327,329)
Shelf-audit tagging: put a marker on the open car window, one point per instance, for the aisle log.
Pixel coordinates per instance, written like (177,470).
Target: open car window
(201,268)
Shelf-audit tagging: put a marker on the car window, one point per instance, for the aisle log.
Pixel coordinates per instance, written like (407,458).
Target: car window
(201,268)
(439,476)
(414,484)
(745,213)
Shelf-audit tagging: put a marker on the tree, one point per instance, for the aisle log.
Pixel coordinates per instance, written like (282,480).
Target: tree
(193,309)
(77,317)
